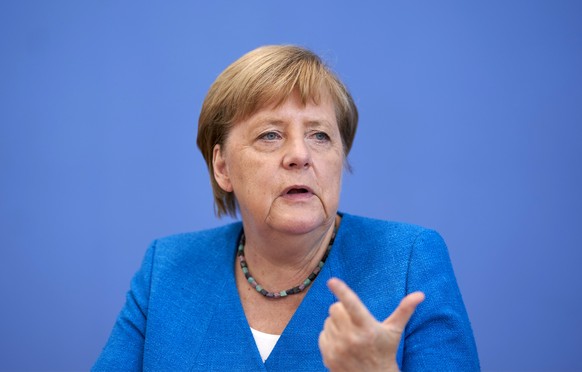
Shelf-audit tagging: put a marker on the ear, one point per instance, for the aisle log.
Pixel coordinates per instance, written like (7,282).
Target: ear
(220,169)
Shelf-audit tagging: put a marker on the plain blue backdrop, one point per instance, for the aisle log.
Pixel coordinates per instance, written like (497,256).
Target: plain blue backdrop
(471,116)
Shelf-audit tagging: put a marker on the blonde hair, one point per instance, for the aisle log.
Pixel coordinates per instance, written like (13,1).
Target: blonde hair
(264,76)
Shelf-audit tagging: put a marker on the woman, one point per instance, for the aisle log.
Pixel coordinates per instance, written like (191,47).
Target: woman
(275,130)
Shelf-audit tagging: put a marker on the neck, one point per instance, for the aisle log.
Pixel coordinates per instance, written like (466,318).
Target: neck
(279,261)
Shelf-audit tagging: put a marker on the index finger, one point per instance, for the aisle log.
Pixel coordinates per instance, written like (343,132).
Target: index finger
(352,303)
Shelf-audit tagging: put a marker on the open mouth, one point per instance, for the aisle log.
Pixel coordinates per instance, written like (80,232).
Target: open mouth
(298,191)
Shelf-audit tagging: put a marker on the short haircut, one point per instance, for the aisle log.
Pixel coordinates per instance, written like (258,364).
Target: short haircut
(265,76)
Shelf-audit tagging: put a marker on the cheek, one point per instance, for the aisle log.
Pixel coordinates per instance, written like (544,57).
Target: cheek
(250,175)
(333,178)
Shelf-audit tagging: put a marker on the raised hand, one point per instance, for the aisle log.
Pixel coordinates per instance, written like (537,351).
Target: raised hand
(353,340)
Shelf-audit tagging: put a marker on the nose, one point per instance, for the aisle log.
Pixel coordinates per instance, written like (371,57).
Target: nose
(297,154)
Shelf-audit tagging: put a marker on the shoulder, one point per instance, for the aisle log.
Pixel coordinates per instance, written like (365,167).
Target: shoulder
(201,236)
(366,245)
(198,245)
(180,262)
(376,258)
(380,232)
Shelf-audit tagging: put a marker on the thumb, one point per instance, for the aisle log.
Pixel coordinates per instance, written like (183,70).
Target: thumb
(400,317)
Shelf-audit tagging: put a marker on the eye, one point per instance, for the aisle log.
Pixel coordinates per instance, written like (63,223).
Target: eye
(321,136)
(270,136)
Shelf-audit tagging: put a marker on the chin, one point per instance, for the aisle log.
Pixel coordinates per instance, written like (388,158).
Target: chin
(298,222)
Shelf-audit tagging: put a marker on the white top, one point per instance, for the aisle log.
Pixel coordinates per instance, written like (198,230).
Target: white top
(265,342)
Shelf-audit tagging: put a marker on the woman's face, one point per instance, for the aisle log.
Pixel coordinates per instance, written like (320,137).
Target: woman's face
(284,166)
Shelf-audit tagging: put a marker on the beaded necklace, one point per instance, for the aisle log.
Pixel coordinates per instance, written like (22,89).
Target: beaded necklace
(290,291)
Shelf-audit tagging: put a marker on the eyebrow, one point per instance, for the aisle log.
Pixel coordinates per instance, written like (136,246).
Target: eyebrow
(320,123)
(279,122)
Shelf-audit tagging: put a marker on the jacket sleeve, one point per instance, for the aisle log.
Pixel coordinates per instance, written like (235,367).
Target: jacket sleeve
(124,349)
(439,335)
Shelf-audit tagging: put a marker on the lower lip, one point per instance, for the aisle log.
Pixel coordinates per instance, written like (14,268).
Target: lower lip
(300,196)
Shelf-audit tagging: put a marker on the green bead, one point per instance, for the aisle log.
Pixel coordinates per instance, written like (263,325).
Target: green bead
(307,282)
(283,293)
(258,288)
(320,264)
(245,270)
(251,279)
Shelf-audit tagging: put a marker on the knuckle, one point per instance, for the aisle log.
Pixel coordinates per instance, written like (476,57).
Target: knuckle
(327,324)
(322,341)
(354,339)
(362,338)
(335,309)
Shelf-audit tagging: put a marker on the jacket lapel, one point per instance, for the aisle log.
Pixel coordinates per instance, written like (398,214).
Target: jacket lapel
(298,348)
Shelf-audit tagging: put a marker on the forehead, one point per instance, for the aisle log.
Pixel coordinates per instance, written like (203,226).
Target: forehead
(320,108)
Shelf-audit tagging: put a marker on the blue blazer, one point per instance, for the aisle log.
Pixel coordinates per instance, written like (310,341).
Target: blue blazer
(183,311)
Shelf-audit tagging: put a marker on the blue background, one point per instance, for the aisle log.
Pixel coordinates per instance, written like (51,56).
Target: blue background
(471,118)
